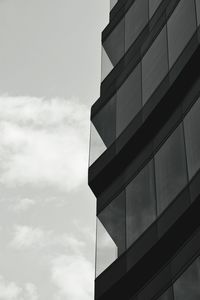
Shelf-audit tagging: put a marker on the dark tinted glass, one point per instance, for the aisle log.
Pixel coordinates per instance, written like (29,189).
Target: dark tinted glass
(168,295)
(181,26)
(105,122)
(192,138)
(153,5)
(170,168)
(154,65)
(129,100)
(187,287)
(140,203)
(135,20)
(112,3)
(198,11)
(114,44)
(113,219)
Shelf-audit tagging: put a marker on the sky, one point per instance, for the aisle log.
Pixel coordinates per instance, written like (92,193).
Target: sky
(49,77)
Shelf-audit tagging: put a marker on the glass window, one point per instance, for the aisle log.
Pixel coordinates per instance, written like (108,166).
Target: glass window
(153,5)
(168,295)
(112,3)
(140,203)
(192,138)
(154,65)
(187,287)
(170,168)
(106,65)
(129,99)
(105,122)
(110,233)
(181,27)
(114,44)
(198,11)
(135,20)
(97,146)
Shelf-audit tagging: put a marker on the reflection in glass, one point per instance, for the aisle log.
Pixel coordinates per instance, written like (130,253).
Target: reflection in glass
(140,203)
(187,287)
(106,249)
(111,240)
(168,295)
(135,20)
(154,65)
(170,167)
(129,99)
(106,65)
(192,138)
(198,11)
(114,44)
(181,27)
(153,5)
(112,3)
(97,146)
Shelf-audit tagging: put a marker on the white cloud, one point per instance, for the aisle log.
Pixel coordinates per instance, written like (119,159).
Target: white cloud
(12,291)
(73,275)
(26,237)
(22,204)
(43,142)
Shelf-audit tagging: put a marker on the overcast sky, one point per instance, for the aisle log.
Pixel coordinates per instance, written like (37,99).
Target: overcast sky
(49,77)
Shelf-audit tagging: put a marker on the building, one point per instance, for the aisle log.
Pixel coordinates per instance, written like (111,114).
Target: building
(145,152)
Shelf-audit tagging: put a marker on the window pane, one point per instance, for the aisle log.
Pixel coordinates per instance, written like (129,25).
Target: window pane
(192,139)
(129,100)
(168,295)
(140,203)
(135,20)
(111,239)
(153,5)
(181,27)
(114,44)
(170,168)
(105,122)
(97,146)
(106,251)
(187,287)
(112,3)
(154,65)
(106,65)
(198,11)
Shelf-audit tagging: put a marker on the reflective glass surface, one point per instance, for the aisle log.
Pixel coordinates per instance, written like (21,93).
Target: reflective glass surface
(106,65)
(112,3)
(181,26)
(129,99)
(114,44)
(154,65)
(111,237)
(97,146)
(187,287)
(135,20)
(140,203)
(198,11)
(192,138)
(153,5)
(170,168)
(168,295)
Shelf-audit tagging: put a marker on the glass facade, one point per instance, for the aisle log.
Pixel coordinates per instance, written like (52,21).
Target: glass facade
(112,3)
(154,65)
(144,197)
(135,20)
(181,26)
(145,78)
(140,203)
